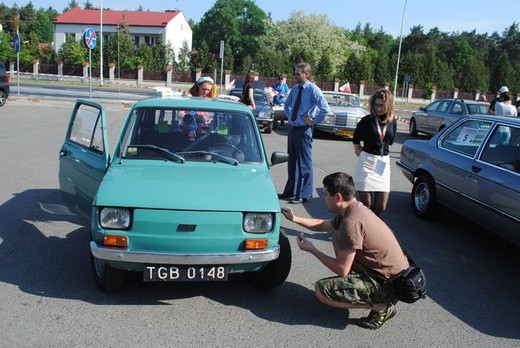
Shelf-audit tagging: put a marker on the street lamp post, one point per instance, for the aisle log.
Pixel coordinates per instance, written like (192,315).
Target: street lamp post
(101,45)
(399,51)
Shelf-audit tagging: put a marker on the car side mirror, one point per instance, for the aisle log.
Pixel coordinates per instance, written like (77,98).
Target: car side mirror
(279,157)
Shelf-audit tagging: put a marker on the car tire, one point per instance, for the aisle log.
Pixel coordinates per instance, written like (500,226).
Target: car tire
(424,198)
(108,279)
(3,98)
(413,128)
(275,273)
(269,129)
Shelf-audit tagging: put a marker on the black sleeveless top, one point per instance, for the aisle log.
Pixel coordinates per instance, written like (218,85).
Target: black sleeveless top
(245,94)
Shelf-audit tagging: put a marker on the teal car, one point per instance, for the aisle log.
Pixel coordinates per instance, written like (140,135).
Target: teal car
(186,195)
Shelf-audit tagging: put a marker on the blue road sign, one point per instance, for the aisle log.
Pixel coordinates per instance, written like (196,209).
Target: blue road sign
(90,38)
(16,43)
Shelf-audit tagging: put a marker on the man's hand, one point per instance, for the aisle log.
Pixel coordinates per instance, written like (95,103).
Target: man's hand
(308,120)
(304,243)
(288,213)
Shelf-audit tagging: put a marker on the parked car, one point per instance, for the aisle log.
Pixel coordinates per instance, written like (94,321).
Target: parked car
(442,112)
(346,111)
(473,167)
(4,84)
(186,195)
(264,112)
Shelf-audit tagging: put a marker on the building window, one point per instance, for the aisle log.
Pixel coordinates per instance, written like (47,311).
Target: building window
(150,40)
(136,41)
(70,37)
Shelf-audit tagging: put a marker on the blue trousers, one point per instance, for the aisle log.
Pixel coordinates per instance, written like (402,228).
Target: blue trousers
(299,167)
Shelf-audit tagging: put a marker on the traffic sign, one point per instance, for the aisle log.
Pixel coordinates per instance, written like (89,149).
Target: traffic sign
(16,43)
(90,38)
(16,22)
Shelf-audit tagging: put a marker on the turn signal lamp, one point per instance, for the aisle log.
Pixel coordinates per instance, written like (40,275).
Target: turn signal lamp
(115,241)
(256,244)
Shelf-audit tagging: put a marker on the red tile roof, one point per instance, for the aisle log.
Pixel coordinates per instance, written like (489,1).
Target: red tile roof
(110,17)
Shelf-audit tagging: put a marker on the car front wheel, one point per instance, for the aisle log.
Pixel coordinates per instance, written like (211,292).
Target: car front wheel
(269,129)
(274,274)
(424,199)
(413,128)
(108,279)
(3,98)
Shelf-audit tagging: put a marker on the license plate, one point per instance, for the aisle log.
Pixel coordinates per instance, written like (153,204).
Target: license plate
(344,133)
(184,273)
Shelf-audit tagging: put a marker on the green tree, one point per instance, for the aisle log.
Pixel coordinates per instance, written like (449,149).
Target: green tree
(120,49)
(42,26)
(73,53)
(183,58)
(312,38)
(71,5)
(6,50)
(238,22)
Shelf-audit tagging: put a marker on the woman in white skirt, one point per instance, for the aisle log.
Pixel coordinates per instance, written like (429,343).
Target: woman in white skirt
(376,132)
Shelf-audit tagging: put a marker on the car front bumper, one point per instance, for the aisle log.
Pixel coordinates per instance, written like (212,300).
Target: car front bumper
(150,257)
(337,130)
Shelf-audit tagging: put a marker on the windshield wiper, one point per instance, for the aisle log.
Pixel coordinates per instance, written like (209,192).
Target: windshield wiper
(214,156)
(162,151)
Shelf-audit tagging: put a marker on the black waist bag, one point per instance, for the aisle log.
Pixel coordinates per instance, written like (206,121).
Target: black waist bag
(410,284)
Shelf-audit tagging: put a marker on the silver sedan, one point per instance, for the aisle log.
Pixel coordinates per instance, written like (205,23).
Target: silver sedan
(473,167)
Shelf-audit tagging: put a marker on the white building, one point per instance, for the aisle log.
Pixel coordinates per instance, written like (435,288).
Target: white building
(169,27)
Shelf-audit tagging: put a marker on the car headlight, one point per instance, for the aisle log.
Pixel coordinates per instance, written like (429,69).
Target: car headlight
(329,119)
(115,218)
(258,222)
(264,114)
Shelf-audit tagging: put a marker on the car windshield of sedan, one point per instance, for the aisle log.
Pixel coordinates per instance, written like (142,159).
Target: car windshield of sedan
(342,100)
(191,135)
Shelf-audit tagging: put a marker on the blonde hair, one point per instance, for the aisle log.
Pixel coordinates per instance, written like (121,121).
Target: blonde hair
(386,96)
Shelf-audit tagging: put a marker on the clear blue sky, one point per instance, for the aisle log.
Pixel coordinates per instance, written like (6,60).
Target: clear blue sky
(484,16)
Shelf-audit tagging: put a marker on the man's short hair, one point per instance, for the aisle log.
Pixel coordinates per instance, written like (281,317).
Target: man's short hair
(340,182)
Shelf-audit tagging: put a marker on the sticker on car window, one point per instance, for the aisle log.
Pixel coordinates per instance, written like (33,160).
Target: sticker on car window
(467,135)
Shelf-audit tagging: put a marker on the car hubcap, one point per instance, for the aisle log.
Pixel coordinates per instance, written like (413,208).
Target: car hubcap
(422,197)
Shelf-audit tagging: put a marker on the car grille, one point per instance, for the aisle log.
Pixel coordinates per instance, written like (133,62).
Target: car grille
(344,120)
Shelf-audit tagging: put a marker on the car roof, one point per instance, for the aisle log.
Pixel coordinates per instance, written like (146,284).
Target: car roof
(512,120)
(467,101)
(191,103)
(340,93)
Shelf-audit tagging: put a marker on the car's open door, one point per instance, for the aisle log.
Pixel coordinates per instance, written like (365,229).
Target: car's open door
(84,156)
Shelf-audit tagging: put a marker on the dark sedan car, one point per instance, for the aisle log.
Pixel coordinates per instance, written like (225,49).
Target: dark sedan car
(472,167)
(442,112)
(4,84)
(264,112)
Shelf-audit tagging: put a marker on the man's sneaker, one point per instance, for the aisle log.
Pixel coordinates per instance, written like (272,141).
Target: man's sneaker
(375,319)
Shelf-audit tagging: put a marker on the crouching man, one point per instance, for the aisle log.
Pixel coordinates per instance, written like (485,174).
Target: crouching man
(366,253)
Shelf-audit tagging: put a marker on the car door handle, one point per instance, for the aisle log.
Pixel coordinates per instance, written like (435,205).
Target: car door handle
(475,169)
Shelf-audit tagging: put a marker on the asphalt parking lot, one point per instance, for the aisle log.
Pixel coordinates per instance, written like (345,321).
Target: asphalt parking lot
(48,297)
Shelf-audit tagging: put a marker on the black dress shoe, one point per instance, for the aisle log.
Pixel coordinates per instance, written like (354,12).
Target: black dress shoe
(298,200)
(285,196)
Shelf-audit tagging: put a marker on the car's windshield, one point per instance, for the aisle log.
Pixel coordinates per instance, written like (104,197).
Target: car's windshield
(186,132)
(342,100)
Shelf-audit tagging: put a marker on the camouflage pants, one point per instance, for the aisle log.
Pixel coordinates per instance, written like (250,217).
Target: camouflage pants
(356,288)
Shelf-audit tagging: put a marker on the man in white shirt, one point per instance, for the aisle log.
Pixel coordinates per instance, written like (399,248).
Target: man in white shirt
(504,107)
